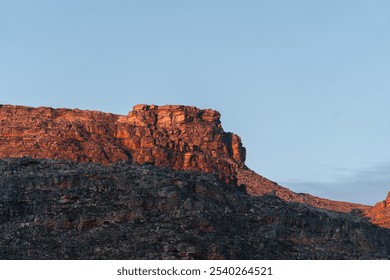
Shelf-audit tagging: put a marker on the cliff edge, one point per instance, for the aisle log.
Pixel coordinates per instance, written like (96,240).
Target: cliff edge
(181,137)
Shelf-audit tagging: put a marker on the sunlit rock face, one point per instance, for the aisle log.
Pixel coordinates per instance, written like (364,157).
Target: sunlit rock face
(181,137)
(380,213)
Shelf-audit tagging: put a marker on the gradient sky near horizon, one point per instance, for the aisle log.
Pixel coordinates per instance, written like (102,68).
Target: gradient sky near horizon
(304,83)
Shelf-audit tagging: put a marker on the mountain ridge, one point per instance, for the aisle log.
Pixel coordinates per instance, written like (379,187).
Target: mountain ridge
(177,136)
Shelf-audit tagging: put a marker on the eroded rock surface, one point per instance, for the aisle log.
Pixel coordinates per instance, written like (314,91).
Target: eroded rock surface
(65,210)
(181,137)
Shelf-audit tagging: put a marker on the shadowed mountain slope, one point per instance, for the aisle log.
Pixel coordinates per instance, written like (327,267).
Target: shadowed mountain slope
(53,209)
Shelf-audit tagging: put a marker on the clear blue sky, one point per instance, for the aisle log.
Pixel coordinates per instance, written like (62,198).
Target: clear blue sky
(304,83)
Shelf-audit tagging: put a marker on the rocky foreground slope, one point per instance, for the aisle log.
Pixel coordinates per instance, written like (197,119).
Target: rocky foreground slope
(52,209)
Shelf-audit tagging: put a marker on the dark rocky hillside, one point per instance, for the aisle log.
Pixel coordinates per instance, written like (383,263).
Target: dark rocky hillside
(65,210)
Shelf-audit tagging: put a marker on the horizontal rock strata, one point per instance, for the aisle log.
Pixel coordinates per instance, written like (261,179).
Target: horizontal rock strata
(181,137)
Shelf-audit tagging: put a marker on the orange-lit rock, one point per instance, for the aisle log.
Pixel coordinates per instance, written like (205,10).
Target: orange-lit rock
(181,137)
(380,213)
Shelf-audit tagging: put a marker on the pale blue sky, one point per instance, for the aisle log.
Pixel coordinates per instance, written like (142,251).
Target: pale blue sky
(304,83)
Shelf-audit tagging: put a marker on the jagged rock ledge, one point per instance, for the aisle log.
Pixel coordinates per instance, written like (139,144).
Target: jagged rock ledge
(182,137)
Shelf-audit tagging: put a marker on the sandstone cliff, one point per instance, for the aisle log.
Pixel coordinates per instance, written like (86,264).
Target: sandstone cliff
(181,137)
(380,213)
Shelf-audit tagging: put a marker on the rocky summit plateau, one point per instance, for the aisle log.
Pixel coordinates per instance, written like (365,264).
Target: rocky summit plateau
(163,182)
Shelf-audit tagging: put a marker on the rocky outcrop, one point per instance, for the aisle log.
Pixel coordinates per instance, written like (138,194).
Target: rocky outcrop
(181,137)
(52,209)
(380,213)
